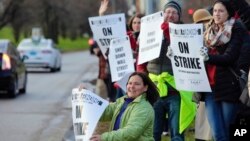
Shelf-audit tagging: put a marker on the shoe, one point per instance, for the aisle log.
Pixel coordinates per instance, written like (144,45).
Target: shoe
(165,133)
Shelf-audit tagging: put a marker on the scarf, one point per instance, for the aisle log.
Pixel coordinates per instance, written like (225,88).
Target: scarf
(217,36)
(165,28)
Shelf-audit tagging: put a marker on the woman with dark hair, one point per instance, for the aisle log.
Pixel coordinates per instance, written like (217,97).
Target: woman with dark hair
(131,116)
(134,26)
(133,31)
(223,39)
(134,23)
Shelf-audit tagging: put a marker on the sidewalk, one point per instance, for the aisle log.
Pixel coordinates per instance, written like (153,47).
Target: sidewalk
(89,81)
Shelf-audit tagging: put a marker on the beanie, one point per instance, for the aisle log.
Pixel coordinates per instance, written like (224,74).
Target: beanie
(173,4)
(228,7)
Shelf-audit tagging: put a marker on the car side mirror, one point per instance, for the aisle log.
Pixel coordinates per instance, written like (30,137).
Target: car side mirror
(24,58)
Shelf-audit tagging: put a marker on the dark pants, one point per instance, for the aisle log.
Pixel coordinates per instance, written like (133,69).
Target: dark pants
(168,105)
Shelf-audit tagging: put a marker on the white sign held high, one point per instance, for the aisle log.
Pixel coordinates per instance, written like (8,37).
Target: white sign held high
(107,27)
(121,58)
(151,36)
(188,68)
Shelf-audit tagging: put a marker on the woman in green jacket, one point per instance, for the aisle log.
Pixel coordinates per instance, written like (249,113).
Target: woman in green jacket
(131,116)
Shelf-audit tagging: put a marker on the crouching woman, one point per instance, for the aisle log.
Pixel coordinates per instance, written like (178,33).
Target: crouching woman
(131,116)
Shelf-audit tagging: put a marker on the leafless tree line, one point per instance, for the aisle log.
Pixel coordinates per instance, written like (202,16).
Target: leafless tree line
(68,18)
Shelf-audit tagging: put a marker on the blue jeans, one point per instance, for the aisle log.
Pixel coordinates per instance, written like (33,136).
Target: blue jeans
(220,115)
(170,106)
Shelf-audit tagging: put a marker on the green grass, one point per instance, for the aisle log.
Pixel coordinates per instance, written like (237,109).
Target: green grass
(65,44)
(189,134)
(6,33)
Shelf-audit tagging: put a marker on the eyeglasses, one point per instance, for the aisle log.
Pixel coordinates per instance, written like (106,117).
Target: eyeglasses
(171,12)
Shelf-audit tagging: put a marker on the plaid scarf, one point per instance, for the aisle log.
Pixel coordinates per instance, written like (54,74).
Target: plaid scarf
(217,36)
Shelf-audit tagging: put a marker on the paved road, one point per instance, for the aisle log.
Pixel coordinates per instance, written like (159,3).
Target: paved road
(44,112)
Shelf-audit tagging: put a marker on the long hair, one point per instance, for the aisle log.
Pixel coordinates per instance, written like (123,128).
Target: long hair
(131,20)
(152,91)
(228,7)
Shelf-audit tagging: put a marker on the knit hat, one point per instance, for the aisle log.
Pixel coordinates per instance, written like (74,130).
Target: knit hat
(228,6)
(201,15)
(173,4)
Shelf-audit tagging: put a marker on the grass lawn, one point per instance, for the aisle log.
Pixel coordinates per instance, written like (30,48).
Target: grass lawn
(65,44)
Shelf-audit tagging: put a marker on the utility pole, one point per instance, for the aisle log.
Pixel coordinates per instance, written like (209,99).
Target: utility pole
(113,6)
(138,6)
(1,8)
(149,7)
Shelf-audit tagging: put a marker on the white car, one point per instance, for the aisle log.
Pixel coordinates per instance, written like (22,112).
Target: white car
(40,54)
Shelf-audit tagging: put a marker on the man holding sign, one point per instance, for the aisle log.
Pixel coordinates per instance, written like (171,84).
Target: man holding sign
(172,103)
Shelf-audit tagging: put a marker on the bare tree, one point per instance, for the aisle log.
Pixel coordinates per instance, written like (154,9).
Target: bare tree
(56,17)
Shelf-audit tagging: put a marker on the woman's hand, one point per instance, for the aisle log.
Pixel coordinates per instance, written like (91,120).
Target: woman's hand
(103,8)
(204,53)
(170,53)
(81,86)
(95,138)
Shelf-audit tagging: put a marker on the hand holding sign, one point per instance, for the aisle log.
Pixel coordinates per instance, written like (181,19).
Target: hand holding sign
(204,53)
(170,53)
(95,138)
(87,109)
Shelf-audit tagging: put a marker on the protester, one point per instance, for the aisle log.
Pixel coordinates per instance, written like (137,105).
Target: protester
(134,25)
(202,128)
(223,40)
(131,116)
(243,11)
(102,79)
(111,89)
(248,83)
(160,71)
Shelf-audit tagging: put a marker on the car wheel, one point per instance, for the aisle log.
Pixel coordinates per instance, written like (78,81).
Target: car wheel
(23,90)
(59,68)
(13,88)
(52,69)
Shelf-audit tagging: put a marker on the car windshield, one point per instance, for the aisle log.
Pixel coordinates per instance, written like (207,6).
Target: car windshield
(3,48)
(32,44)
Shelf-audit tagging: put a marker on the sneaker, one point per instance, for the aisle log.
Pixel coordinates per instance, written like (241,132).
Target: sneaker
(164,133)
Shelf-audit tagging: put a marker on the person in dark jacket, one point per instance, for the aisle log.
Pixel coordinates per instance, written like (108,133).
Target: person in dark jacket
(224,38)
(202,128)
(160,71)
(243,10)
(243,13)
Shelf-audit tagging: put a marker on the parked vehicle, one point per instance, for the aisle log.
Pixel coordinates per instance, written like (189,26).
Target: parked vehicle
(41,53)
(13,74)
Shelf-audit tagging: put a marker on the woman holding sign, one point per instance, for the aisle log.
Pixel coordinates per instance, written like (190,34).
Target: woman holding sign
(131,116)
(223,37)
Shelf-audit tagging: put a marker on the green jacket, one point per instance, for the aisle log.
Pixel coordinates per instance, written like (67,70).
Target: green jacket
(136,122)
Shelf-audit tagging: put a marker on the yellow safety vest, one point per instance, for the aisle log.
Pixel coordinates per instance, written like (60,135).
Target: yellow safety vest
(188,108)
